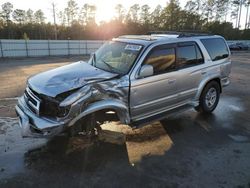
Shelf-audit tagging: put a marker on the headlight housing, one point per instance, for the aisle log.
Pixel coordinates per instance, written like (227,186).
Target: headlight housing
(62,111)
(82,93)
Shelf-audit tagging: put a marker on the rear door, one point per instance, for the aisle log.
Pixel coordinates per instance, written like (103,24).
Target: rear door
(191,68)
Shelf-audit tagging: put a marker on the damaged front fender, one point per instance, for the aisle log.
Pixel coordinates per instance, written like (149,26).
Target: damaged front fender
(116,105)
(109,94)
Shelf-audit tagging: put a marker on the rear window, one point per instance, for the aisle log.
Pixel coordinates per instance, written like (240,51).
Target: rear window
(216,48)
(188,55)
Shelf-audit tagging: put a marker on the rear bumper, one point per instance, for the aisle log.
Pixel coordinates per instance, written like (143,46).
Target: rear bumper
(35,126)
(225,81)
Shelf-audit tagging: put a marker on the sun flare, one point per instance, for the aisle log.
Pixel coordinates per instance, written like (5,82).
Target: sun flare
(105,12)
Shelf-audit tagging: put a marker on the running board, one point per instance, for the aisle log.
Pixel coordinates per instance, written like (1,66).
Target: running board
(161,116)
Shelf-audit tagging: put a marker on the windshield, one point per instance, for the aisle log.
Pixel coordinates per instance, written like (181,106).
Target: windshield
(116,57)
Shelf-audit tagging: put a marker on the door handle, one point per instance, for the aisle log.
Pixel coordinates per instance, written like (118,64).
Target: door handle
(171,81)
(204,72)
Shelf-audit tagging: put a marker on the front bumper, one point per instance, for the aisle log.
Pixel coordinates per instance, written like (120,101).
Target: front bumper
(34,126)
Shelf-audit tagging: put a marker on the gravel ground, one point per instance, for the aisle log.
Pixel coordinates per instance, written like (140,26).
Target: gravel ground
(187,150)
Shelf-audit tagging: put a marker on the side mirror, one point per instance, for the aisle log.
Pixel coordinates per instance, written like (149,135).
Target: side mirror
(91,59)
(145,71)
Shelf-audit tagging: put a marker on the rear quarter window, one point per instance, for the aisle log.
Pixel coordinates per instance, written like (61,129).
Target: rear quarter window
(216,47)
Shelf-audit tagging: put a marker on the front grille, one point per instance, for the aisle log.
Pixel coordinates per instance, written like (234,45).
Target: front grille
(43,105)
(50,108)
(32,100)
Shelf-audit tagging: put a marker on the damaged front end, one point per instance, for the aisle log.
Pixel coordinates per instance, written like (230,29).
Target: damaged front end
(59,98)
(48,108)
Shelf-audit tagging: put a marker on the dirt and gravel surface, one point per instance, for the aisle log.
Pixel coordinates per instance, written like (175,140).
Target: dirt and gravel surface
(187,150)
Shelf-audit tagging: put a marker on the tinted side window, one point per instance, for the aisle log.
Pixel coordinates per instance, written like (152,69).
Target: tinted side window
(163,60)
(187,56)
(200,58)
(216,48)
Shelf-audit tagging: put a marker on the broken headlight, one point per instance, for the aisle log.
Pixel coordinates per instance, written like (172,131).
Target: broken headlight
(49,107)
(62,111)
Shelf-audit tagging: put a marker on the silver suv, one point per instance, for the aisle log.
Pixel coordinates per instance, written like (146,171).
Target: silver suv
(136,79)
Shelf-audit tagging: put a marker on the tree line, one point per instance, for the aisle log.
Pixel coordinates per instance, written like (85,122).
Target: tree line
(79,22)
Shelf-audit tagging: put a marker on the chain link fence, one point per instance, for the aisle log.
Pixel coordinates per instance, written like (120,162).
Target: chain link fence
(36,48)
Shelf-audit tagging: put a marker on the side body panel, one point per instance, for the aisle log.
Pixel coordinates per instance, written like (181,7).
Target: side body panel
(188,81)
(152,95)
(156,94)
(219,69)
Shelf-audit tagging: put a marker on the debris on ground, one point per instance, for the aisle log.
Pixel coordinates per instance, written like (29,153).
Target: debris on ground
(239,138)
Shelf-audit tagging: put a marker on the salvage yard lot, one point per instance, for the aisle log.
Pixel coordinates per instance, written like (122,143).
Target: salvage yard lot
(187,150)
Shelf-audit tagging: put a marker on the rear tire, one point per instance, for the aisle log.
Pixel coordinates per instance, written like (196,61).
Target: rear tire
(209,98)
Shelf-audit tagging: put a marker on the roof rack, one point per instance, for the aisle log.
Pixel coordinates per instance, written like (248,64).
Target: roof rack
(181,34)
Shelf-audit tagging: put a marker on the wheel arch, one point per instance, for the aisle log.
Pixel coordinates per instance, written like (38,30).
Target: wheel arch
(105,105)
(204,83)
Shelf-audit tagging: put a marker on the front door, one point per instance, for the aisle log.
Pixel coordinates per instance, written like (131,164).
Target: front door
(156,93)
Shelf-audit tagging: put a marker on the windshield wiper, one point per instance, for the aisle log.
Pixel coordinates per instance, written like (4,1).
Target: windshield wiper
(112,69)
(108,65)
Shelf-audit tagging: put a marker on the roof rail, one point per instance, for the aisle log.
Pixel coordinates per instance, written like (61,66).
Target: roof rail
(181,34)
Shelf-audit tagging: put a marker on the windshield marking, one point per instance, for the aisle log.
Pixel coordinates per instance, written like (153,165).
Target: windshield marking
(133,47)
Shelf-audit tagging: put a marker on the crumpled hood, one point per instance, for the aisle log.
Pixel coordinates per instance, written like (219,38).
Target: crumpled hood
(66,78)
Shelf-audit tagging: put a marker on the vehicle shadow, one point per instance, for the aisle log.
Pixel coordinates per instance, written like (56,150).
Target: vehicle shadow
(74,154)
(155,139)
(84,153)
(88,153)
(154,153)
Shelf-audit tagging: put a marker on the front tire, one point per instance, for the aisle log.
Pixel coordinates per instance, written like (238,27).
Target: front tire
(84,125)
(209,98)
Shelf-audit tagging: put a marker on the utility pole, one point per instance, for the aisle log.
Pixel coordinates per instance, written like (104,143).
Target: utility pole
(54,15)
(237,17)
(226,12)
(246,23)
(238,26)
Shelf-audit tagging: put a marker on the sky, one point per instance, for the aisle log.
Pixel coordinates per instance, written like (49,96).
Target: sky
(105,8)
